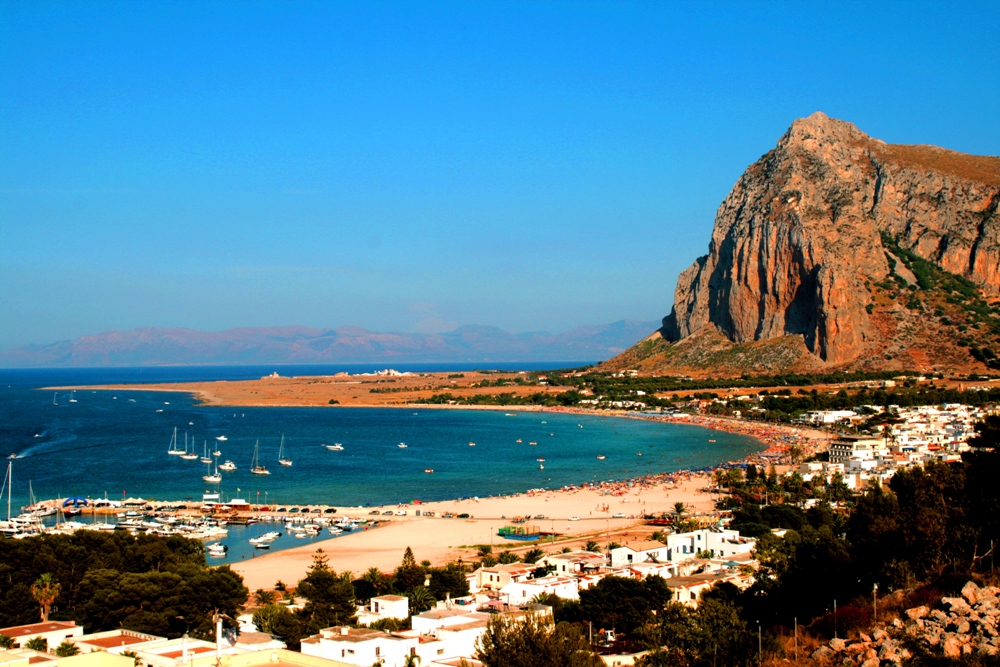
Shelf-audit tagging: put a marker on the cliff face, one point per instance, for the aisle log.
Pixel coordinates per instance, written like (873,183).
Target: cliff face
(798,243)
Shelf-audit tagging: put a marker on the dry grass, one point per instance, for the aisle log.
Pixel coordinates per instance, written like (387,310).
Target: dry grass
(983,168)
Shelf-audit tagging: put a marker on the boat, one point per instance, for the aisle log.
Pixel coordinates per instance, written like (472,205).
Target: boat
(54,401)
(601,457)
(282,459)
(541,467)
(402,445)
(228,466)
(711,440)
(255,467)
(532,443)
(262,545)
(428,470)
(173,449)
(541,460)
(519,440)
(337,447)
(205,458)
(218,549)
(215,477)
(188,456)
(638,453)
(222,438)
(72,396)
(472,444)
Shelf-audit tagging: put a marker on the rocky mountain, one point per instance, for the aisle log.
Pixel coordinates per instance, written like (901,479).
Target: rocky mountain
(837,250)
(304,345)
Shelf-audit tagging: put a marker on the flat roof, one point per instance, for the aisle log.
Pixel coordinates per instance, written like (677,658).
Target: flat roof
(116,640)
(37,629)
(191,649)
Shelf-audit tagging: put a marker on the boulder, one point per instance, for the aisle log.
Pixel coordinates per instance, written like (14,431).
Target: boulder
(918,612)
(870,662)
(962,627)
(838,644)
(970,592)
(958,605)
(823,653)
(951,646)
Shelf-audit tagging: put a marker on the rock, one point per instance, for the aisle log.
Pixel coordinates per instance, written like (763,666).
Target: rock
(838,644)
(952,646)
(939,616)
(870,662)
(963,627)
(896,623)
(879,635)
(958,605)
(918,612)
(970,592)
(823,653)
(797,242)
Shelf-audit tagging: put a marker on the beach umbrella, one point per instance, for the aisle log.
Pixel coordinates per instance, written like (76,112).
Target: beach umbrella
(75,501)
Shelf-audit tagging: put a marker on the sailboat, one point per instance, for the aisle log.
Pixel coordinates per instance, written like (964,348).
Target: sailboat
(188,456)
(282,459)
(54,396)
(205,458)
(72,396)
(35,508)
(255,467)
(172,449)
(215,477)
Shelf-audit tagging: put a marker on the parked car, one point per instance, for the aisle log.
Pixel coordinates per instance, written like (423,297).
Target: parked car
(574,518)
(448,515)
(387,513)
(400,512)
(539,517)
(619,515)
(373,512)
(464,515)
(330,510)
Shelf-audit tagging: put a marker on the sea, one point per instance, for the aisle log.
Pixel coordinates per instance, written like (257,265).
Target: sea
(113,444)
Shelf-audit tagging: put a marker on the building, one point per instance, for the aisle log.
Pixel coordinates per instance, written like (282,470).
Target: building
(639,552)
(53,632)
(22,657)
(361,646)
(573,562)
(496,577)
(116,641)
(844,449)
(384,606)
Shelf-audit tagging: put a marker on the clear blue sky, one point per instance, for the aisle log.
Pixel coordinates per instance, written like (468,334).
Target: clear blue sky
(410,166)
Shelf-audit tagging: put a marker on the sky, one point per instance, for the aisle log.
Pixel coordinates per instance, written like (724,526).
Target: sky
(415,166)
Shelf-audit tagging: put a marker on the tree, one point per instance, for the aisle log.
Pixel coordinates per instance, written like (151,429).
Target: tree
(262,597)
(6,642)
(37,644)
(411,660)
(280,623)
(420,599)
(135,657)
(409,575)
(507,557)
(680,509)
(66,650)
(449,581)
(533,642)
(533,555)
(45,590)
(484,550)
(488,561)
(592,546)
(329,597)
(624,604)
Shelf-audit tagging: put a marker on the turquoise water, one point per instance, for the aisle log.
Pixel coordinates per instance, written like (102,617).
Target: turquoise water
(114,444)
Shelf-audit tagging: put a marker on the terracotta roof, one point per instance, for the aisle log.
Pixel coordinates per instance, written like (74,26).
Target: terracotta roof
(648,545)
(390,598)
(123,639)
(36,629)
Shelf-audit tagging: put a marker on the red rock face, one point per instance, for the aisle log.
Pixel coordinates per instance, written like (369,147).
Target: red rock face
(800,234)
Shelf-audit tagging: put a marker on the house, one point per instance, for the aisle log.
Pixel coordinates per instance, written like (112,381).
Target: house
(22,657)
(639,552)
(573,562)
(384,606)
(274,658)
(496,577)
(360,646)
(523,592)
(848,447)
(116,641)
(53,632)
(177,652)
(257,641)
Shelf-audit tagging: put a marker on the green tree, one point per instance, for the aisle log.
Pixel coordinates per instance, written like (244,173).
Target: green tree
(329,597)
(66,650)
(624,604)
(488,561)
(484,550)
(680,509)
(6,642)
(533,555)
(592,546)
(262,597)
(45,590)
(507,557)
(280,623)
(37,644)
(449,581)
(533,642)
(409,575)
(421,599)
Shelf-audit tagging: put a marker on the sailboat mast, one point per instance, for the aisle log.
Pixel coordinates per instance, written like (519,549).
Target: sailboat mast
(10,483)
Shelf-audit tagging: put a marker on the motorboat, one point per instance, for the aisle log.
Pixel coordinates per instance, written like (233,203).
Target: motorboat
(228,466)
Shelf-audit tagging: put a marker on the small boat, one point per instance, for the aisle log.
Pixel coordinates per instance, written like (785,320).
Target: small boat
(160,410)
(205,457)
(337,447)
(472,444)
(218,549)
(638,453)
(532,443)
(188,456)
(54,401)
(255,467)
(545,422)
(262,545)
(541,460)
(282,459)
(711,440)
(402,445)
(215,477)
(519,440)
(222,438)
(228,466)
(601,457)
(72,396)
(428,470)
(173,450)
(541,467)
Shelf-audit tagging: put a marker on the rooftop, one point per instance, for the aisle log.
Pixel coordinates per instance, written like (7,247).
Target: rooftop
(37,629)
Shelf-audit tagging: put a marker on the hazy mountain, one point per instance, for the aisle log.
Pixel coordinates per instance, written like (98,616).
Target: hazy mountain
(293,344)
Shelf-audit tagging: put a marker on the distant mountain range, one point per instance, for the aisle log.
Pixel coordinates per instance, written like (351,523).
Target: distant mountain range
(153,346)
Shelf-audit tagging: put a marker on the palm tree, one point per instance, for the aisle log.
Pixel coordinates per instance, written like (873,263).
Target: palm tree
(485,550)
(488,561)
(533,555)
(592,546)
(133,655)
(45,591)
(411,660)
(680,509)
(420,599)
(6,642)
(262,597)
(66,650)
(507,557)
(37,644)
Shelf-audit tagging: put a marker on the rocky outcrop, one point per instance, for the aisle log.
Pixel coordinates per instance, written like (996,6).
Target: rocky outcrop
(955,627)
(797,244)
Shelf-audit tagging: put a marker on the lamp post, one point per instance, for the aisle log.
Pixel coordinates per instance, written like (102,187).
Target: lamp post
(759,645)
(875,603)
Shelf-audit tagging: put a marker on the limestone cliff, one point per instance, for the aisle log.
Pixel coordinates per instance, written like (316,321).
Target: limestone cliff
(800,244)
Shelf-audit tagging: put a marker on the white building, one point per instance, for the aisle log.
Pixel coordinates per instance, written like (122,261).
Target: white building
(384,606)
